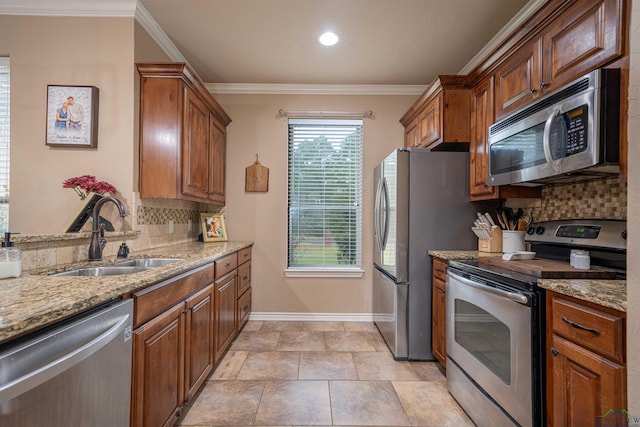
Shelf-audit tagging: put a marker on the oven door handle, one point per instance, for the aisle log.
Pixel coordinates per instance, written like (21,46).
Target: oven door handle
(511,296)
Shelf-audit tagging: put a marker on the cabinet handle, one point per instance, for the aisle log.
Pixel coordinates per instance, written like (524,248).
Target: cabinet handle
(554,352)
(543,85)
(533,91)
(442,291)
(439,270)
(244,277)
(579,326)
(185,311)
(227,264)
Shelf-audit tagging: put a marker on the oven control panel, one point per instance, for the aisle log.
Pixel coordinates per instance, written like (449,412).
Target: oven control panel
(602,233)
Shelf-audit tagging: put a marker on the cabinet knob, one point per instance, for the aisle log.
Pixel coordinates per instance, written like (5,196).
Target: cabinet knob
(533,91)
(543,85)
(554,352)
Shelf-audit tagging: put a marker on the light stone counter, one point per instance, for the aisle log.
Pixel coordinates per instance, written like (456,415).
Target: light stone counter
(37,299)
(608,293)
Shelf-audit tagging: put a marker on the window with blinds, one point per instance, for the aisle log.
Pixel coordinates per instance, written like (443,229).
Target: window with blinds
(4,144)
(325,194)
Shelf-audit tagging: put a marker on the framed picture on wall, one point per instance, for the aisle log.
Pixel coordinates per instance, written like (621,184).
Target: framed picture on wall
(213,229)
(72,116)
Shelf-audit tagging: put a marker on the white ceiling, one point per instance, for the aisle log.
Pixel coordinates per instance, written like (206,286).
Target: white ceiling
(390,44)
(382,42)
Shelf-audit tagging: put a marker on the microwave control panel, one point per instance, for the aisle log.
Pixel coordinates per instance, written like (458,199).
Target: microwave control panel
(576,121)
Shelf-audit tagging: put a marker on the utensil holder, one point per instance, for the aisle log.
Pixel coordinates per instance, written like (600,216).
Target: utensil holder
(493,244)
(513,241)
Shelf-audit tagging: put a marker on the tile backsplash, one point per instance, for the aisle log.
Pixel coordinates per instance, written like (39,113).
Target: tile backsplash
(603,199)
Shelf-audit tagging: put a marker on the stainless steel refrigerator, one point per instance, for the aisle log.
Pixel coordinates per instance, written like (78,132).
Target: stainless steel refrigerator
(421,203)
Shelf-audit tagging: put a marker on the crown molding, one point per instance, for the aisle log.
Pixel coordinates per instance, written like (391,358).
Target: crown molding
(309,89)
(525,13)
(98,8)
(156,32)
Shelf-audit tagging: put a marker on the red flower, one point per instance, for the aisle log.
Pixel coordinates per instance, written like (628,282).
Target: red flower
(88,183)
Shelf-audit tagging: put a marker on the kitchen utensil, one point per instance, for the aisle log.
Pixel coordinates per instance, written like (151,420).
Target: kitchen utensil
(489,219)
(519,255)
(500,219)
(512,241)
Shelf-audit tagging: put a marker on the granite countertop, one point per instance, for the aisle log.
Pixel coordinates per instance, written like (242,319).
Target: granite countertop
(37,299)
(608,293)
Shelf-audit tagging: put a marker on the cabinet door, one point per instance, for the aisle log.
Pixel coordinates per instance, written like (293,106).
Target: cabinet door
(438,323)
(518,79)
(584,387)
(158,358)
(195,147)
(411,136)
(225,312)
(217,162)
(481,119)
(244,308)
(431,122)
(199,340)
(586,36)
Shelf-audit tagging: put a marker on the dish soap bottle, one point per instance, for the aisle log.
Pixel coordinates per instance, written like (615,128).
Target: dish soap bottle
(10,258)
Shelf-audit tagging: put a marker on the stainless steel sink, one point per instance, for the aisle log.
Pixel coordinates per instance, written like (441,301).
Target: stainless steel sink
(148,262)
(112,270)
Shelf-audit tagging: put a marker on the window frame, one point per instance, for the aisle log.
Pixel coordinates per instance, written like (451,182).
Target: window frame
(332,271)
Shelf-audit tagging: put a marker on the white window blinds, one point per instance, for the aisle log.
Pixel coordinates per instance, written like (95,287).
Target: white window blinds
(4,144)
(325,194)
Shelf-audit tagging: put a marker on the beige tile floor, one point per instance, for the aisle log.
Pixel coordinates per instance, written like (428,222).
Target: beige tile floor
(321,373)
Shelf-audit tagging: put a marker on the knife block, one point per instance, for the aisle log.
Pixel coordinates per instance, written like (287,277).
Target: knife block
(493,244)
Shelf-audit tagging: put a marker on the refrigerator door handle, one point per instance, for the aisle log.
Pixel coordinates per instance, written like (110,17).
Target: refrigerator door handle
(385,206)
(376,215)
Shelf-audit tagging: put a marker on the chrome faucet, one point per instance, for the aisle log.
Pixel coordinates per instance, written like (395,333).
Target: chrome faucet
(97,237)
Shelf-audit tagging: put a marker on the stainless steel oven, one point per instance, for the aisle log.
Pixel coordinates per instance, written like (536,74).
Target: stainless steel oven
(496,319)
(569,135)
(490,350)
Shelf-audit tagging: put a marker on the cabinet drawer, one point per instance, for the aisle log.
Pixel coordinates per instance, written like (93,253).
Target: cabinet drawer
(601,332)
(153,300)
(244,255)
(226,264)
(244,308)
(244,277)
(440,269)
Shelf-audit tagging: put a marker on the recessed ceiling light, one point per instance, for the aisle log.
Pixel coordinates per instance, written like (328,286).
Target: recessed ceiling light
(328,39)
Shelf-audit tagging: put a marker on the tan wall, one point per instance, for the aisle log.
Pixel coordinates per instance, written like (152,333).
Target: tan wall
(633,208)
(66,51)
(262,217)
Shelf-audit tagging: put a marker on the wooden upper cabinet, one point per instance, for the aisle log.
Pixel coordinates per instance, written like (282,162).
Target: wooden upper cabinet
(439,119)
(518,79)
(586,36)
(195,147)
(218,154)
(481,119)
(182,136)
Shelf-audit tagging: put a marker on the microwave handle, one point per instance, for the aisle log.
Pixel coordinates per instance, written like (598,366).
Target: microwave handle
(546,139)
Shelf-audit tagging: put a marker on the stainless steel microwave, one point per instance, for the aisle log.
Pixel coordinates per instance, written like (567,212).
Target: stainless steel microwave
(568,135)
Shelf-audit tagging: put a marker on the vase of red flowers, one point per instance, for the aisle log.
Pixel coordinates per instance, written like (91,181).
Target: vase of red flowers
(90,190)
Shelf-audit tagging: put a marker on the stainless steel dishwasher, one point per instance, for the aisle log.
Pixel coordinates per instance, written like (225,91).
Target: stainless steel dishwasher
(77,373)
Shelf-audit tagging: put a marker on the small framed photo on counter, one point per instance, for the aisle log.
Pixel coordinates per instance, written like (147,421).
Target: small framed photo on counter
(72,116)
(213,229)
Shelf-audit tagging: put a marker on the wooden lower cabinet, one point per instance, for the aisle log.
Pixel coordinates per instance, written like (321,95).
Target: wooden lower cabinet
(586,374)
(158,367)
(438,311)
(225,313)
(182,328)
(173,347)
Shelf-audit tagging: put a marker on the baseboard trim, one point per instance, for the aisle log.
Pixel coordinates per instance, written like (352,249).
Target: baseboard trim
(311,317)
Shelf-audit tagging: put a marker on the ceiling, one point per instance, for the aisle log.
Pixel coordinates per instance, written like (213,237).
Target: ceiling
(382,42)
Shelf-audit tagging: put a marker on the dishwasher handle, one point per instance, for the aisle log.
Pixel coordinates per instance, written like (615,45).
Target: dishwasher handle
(511,296)
(22,384)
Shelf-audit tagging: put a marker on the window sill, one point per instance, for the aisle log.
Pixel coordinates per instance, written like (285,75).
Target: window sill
(324,272)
